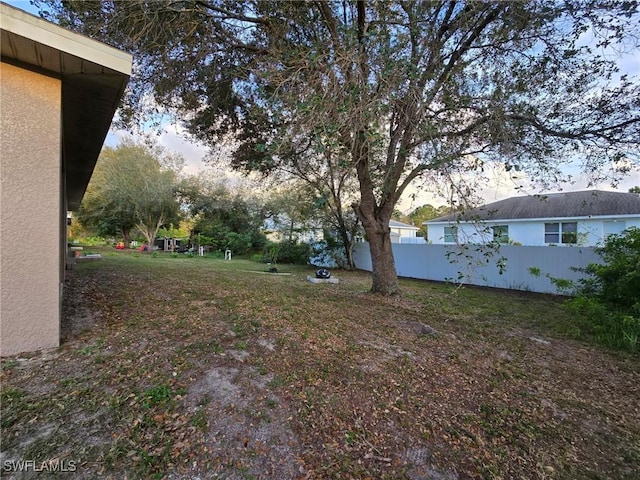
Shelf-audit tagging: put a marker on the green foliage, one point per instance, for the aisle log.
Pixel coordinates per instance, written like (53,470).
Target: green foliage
(257,257)
(437,83)
(608,302)
(287,252)
(270,253)
(93,241)
(155,396)
(293,210)
(609,327)
(200,239)
(171,231)
(223,219)
(535,271)
(238,243)
(563,286)
(616,282)
(131,187)
(424,213)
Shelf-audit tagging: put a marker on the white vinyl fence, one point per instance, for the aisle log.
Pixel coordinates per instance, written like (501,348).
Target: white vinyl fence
(523,268)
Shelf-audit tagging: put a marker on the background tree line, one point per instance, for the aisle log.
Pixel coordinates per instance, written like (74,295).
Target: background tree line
(138,190)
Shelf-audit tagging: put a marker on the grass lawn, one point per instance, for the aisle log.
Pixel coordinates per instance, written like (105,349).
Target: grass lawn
(186,368)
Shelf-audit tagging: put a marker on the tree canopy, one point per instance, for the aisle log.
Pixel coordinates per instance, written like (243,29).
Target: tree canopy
(388,90)
(424,213)
(222,217)
(133,185)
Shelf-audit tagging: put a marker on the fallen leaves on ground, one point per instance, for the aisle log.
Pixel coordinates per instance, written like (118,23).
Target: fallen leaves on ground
(196,368)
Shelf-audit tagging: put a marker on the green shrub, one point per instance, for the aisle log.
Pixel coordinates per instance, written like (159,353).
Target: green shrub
(238,243)
(287,252)
(200,239)
(609,327)
(92,241)
(617,281)
(608,301)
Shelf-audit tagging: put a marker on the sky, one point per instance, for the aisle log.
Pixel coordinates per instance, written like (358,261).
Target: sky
(496,184)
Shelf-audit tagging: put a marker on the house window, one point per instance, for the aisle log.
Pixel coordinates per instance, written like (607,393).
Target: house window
(561,232)
(501,233)
(450,234)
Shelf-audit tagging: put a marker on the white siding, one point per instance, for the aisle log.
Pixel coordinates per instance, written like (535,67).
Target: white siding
(591,232)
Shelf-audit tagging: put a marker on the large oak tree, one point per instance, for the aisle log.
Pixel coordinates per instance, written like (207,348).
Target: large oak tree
(392,89)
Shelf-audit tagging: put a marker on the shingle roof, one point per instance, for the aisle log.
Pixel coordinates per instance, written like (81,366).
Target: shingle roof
(397,224)
(553,205)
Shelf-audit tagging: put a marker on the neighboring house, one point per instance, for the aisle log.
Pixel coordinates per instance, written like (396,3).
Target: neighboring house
(281,229)
(400,233)
(572,218)
(404,233)
(59,92)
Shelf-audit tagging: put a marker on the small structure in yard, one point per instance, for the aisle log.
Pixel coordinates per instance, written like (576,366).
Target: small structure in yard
(168,244)
(322,276)
(89,257)
(323,273)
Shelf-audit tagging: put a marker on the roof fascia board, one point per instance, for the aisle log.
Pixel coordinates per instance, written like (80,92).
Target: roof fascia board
(28,26)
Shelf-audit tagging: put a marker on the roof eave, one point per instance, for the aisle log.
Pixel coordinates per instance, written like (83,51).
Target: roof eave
(93,76)
(535,219)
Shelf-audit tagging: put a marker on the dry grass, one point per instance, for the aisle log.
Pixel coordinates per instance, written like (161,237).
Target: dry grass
(200,368)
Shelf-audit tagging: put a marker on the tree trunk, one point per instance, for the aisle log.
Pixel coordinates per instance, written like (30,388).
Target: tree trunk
(375,219)
(291,231)
(348,248)
(125,236)
(150,230)
(352,263)
(385,277)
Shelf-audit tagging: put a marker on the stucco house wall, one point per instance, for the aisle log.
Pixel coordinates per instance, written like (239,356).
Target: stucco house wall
(31,192)
(58,94)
